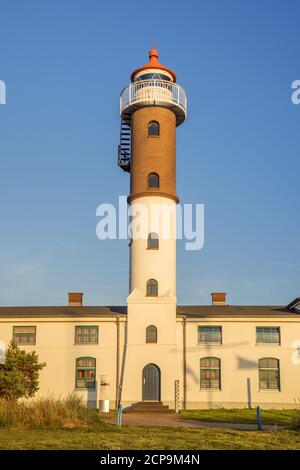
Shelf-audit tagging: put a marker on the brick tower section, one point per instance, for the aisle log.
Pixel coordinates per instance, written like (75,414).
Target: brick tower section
(153,154)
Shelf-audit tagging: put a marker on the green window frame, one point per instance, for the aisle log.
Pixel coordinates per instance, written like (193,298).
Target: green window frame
(268,335)
(24,335)
(210,373)
(209,335)
(86,334)
(86,373)
(269,374)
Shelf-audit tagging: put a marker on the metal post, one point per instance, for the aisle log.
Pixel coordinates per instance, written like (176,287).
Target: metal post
(119,417)
(177,396)
(258,417)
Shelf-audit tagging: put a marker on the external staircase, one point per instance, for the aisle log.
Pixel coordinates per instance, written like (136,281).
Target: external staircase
(149,407)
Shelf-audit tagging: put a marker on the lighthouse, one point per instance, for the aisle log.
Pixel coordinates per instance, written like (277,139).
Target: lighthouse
(152,106)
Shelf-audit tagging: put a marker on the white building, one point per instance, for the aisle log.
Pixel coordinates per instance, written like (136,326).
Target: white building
(153,350)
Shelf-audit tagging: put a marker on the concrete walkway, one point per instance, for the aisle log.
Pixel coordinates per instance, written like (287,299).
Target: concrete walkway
(174,420)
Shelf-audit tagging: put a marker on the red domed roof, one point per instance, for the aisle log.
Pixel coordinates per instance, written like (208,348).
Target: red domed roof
(153,64)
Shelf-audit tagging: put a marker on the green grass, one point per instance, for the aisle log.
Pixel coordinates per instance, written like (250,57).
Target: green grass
(67,424)
(159,438)
(247,416)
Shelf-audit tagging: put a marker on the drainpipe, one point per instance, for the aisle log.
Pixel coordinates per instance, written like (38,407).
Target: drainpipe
(118,363)
(184,362)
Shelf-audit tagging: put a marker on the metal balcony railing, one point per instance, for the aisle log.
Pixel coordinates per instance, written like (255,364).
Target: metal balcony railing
(151,92)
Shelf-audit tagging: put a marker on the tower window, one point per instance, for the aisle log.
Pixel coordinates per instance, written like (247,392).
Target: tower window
(152,241)
(153,129)
(153,180)
(151,334)
(152,288)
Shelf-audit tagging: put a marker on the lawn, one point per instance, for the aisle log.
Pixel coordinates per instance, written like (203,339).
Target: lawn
(107,437)
(281,417)
(67,424)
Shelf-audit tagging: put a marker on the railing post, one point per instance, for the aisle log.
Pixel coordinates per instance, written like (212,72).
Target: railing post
(259,420)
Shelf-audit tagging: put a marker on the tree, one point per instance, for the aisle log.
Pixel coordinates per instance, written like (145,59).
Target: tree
(19,376)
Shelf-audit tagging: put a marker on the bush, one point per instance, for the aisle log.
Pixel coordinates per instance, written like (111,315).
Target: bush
(47,412)
(19,375)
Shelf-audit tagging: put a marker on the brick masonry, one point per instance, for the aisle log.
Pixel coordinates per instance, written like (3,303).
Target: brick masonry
(153,154)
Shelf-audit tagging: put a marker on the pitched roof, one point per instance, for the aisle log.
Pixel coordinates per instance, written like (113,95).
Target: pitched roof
(235,311)
(295,303)
(61,312)
(189,311)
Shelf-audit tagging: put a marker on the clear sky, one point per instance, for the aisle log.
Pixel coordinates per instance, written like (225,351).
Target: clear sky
(65,63)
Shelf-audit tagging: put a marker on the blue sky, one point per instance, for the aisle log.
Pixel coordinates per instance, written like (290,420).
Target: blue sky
(65,63)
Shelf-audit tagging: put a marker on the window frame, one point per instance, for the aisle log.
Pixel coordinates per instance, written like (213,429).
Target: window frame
(154,330)
(204,343)
(87,342)
(147,285)
(150,239)
(278,389)
(158,182)
(157,127)
(268,343)
(93,368)
(24,334)
(219,388)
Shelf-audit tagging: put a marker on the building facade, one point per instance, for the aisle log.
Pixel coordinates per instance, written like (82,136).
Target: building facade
(152,349)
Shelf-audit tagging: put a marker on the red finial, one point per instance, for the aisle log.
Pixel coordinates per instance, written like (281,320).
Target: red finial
(153,53)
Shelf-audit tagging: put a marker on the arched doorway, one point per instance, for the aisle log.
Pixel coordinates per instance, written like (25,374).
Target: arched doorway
(151,383)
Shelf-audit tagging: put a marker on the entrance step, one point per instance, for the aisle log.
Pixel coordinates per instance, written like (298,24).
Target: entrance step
(149,407)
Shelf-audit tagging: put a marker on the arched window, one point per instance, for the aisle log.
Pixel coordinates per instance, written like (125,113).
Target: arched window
(210,373)
(153,128)
(268,370)
(153,180)
(151,334)
(153,241)
(85,372)
(152,288)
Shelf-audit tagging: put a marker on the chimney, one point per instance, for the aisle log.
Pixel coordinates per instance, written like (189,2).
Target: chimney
(75,299)
(218,298)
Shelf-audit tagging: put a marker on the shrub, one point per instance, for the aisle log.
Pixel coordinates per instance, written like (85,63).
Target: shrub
(19,375)
(47,412)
